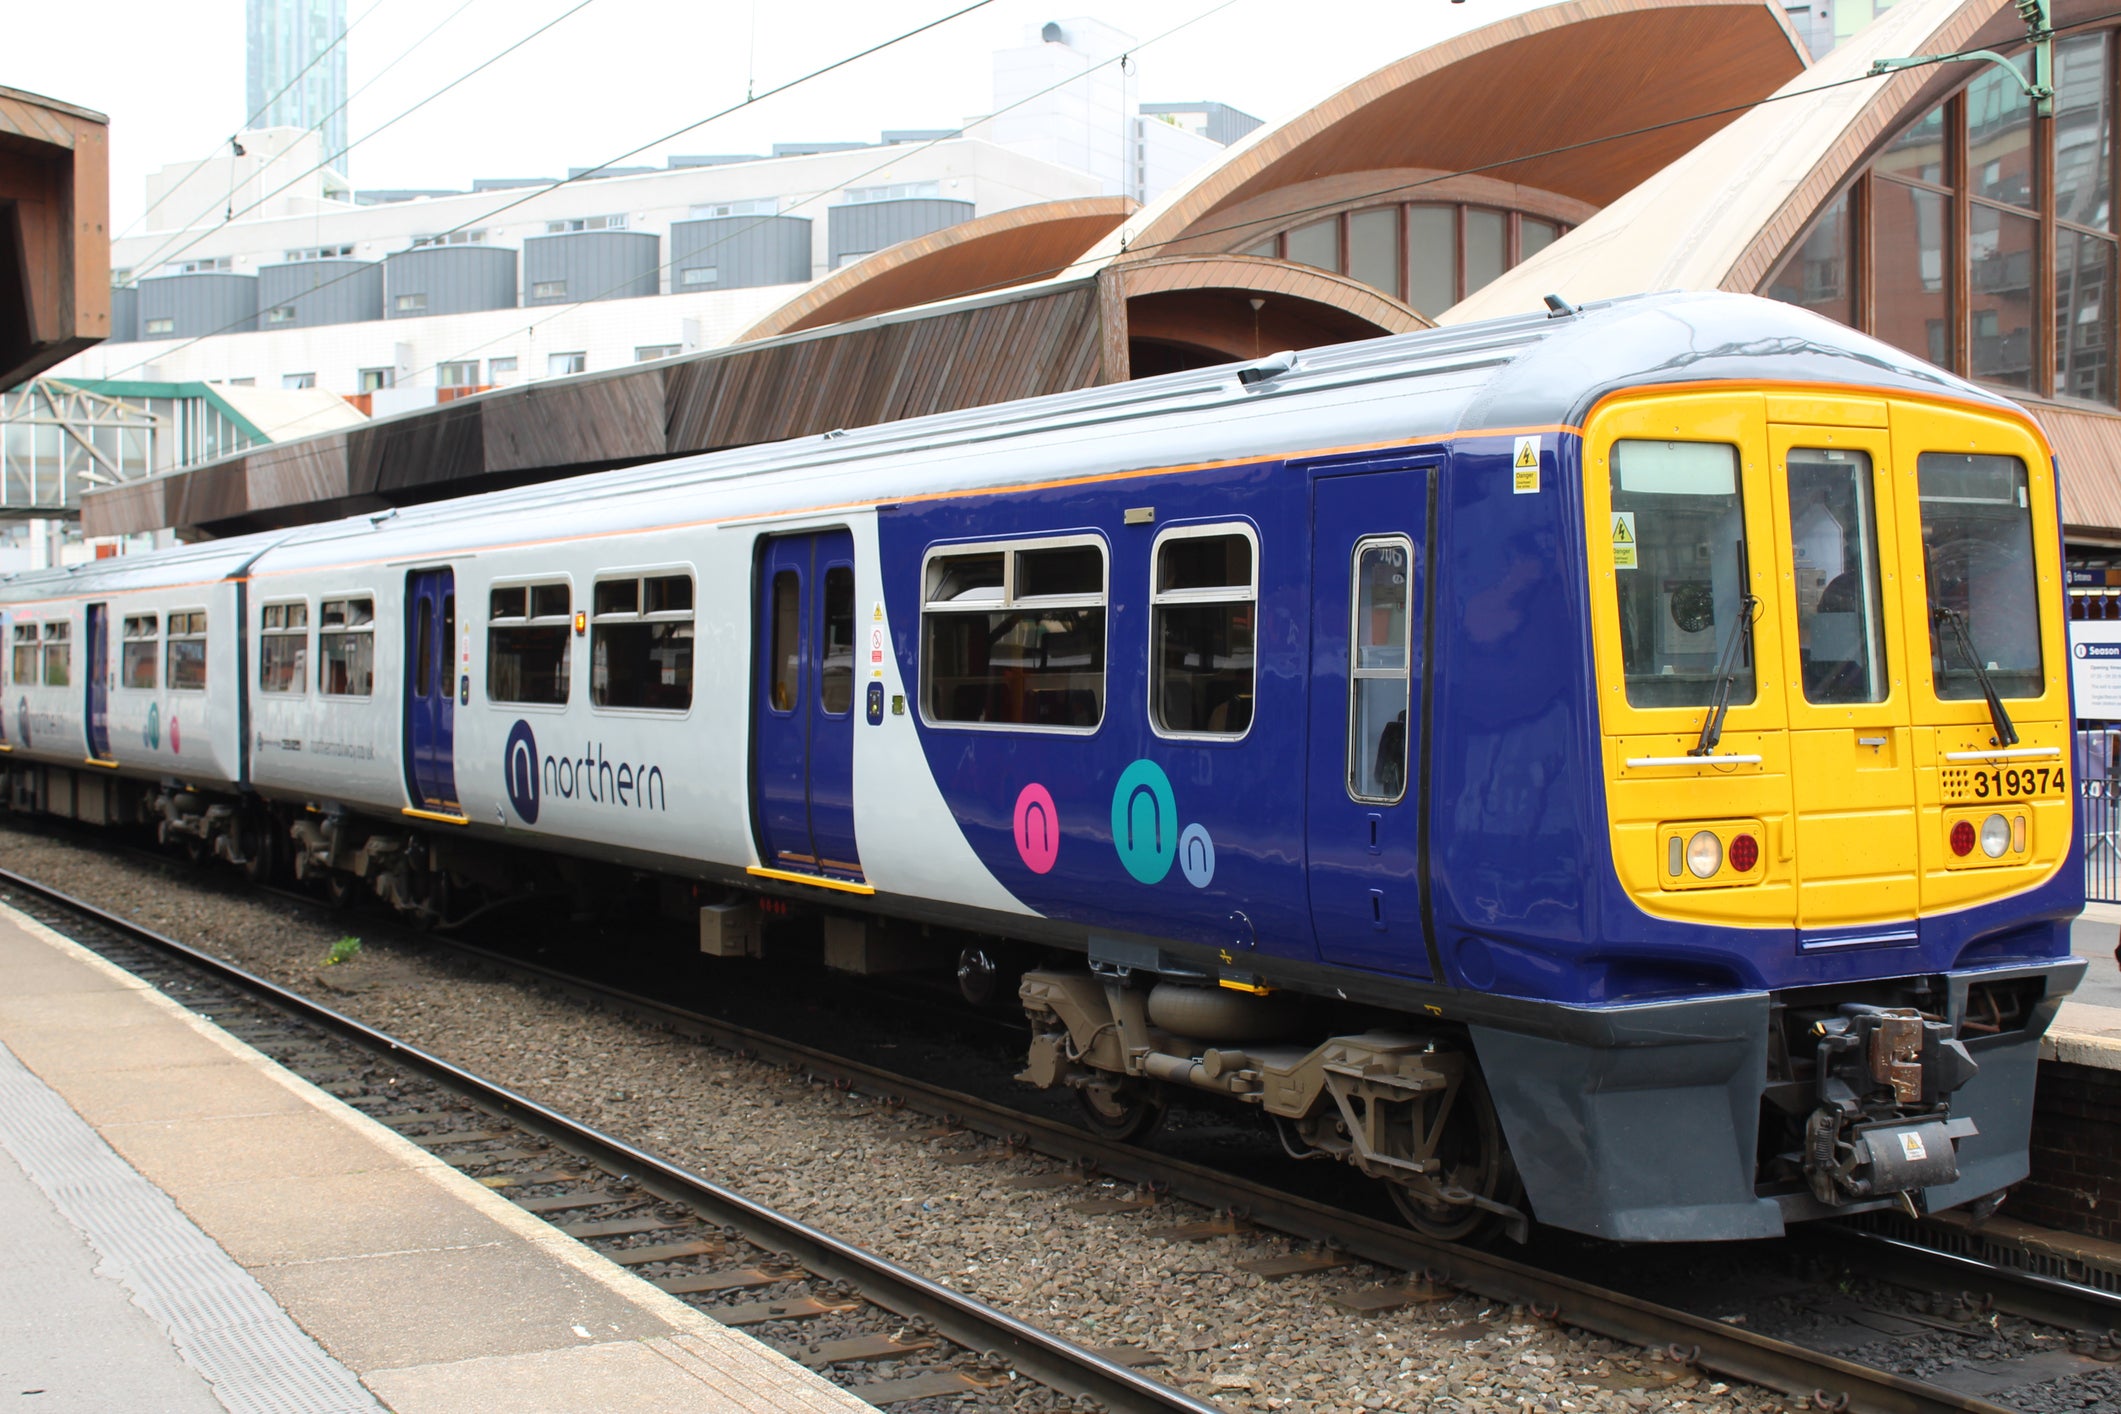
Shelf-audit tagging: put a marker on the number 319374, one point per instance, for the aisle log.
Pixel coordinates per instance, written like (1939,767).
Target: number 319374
(2005,782)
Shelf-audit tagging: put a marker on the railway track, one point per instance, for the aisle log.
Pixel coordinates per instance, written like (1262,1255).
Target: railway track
(1714,1347)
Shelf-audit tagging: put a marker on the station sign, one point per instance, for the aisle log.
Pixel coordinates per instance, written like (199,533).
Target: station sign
(2095,668)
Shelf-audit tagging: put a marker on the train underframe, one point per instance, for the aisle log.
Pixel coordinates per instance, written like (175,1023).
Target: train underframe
(1704,1119)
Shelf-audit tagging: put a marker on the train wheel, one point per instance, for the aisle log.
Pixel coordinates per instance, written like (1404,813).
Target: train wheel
(1126,1110)
(1476,1158)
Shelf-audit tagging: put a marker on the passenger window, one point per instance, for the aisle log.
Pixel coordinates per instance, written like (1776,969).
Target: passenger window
(1380,682)
(529,644)
(835,692)
(136,666)
(1840,602)
(1977,536)
(26,667)
(423,653)
(1202,634)
(1015,635)
(283,648)
(1679,561)
(641,643)
(346,647)
(787,650)
(186,671)
(58,654)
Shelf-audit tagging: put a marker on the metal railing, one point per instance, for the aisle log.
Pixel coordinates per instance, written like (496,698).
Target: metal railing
(2098,794)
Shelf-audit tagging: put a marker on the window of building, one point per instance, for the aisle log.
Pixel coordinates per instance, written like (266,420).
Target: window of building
(529,637)
(476,236)
(1203,610)
(648,353)
(160,326)
(58,654)
(549,289)
(897,191)
(496,368)
(243,382)
(463,374)
(1430,255)
(346,647)
(409,304)
(138,651)
(283,648)
(298,380)
(761,206)
(26,667)
(375,380)
(186,652)
(205,266)
(559,365)
(1380,672)
(1682,505)
(641,643)
(325,252)
(280,314)
(701,275)
(1014,635)
(585,223)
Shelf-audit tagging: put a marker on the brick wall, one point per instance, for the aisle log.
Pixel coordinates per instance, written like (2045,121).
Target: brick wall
(2076,1153)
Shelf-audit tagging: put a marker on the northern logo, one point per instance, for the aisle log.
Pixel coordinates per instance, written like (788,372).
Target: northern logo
(153,733)
(519,769)
(533,779)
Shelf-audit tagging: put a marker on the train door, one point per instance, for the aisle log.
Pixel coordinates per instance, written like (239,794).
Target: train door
(1363,816)
(430,689)
(97,674)
(1845,673)
(803,734)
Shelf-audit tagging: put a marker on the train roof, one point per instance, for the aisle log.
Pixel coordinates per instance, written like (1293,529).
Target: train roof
(1499,376)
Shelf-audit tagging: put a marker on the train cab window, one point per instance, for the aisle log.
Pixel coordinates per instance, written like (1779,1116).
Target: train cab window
(1380,680)
(346,647)
(186,653)
(1202,608)
(283,648)
(136,665)
(640,651)
(1679,570)
(58,655)
(1840,604)
(835,683)
(1977,537)
(1015,635)
(26,668)
(529,643)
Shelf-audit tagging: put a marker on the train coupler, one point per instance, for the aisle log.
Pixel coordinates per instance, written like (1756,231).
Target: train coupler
(1883,1126)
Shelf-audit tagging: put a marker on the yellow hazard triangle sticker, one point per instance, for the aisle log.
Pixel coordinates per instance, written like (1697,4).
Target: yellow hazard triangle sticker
(1524,467)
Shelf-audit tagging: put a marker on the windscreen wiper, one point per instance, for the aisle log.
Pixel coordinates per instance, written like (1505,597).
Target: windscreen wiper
(1726,674)
(2006,731)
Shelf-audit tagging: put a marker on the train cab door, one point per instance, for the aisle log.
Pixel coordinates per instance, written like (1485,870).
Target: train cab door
(1363,815)
(97,673)
(431,690)
(803,707)
(1852,832)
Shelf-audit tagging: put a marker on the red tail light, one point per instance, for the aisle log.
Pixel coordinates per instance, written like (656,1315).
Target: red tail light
(1745,853)
(1963,838)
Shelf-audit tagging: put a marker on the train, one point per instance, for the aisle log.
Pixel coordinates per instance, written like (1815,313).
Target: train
(1606,768)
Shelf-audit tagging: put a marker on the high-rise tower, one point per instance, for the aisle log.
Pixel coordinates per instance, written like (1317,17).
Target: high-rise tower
(283,37)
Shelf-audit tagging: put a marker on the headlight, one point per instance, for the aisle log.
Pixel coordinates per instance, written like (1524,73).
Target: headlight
(1704,853)
(1995,836)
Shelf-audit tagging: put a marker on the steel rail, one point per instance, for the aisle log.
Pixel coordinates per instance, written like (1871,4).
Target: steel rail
(971,1323)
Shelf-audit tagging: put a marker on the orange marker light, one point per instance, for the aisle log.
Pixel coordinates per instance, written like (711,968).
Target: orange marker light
(581,621)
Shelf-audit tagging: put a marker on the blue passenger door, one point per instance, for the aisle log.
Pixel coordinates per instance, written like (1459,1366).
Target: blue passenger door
(1363,821)
(803,706)
(431,690)
(98,666)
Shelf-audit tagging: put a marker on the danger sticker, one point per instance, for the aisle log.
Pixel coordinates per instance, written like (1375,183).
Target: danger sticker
(1911,1146)
(1524,467)
(1624,540)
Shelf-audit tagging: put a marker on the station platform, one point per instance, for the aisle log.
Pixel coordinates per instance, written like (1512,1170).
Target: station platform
(192,1228)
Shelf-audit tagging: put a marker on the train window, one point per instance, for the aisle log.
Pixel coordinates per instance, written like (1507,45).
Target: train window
(1977,537)
(1840,613)
(26,667)
(1201,631)
(136,666)
(529,643)
(186,671)
(1015,635)
(641,643)
(423,653)
(835,689)
(1679,570)
(283,648)
(346,647)
(1380,680)
(787,648)
(58,655)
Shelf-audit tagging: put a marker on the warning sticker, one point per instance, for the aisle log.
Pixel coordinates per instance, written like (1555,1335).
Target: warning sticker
(1624,540)
(1524,467)
(876,640)
(1911,1145)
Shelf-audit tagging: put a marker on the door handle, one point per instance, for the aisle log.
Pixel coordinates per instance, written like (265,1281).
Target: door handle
(1376,824)
(1377,910)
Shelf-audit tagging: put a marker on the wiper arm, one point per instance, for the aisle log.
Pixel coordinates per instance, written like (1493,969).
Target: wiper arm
(2006,731)
(1726,673)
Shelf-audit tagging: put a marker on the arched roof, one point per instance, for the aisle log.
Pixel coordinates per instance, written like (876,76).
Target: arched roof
(1575,76)
(1013,247)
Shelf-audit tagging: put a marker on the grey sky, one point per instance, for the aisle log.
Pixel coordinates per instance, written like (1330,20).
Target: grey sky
(170,76)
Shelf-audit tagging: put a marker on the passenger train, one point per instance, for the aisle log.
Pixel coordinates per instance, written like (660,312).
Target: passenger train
(1608,767)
